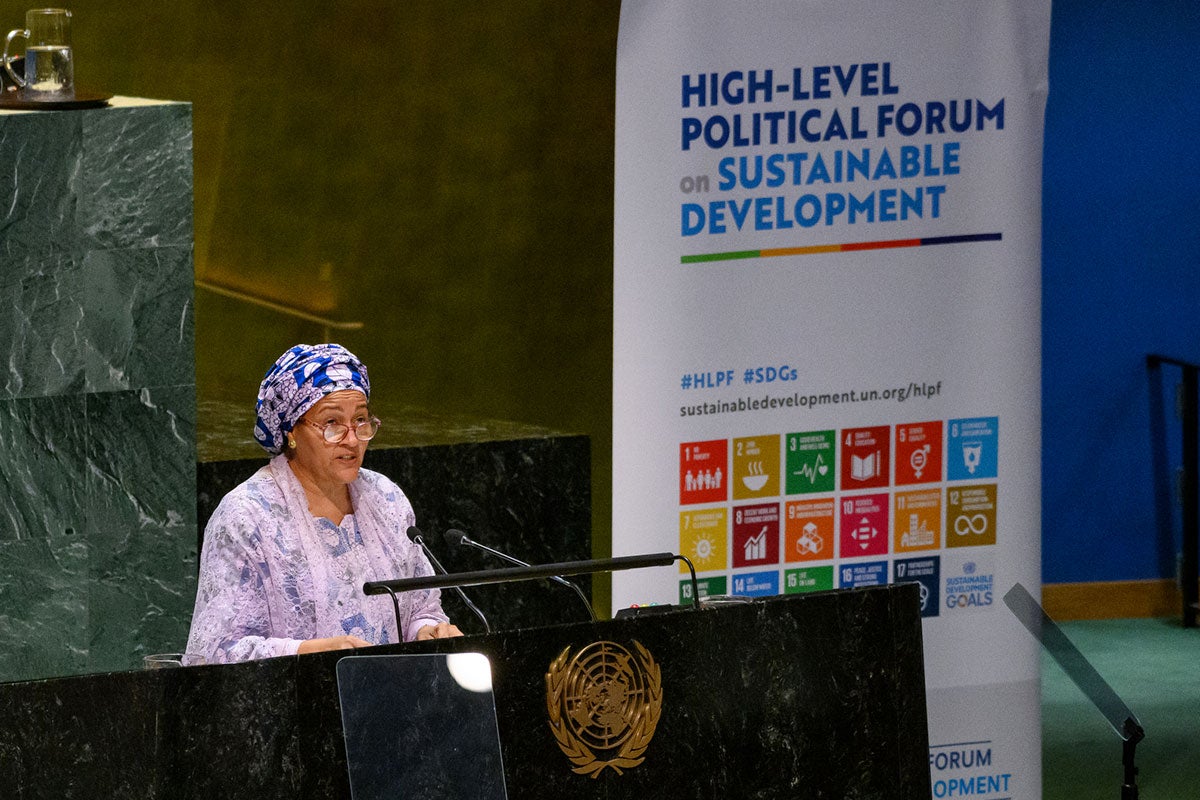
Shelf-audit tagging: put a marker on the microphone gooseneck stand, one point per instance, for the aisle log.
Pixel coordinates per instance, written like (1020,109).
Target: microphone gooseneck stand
(532,572)
(415,534)
(457,538)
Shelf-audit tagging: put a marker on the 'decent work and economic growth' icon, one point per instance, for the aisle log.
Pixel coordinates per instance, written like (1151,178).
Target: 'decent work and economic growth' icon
(604,705)
(756,546)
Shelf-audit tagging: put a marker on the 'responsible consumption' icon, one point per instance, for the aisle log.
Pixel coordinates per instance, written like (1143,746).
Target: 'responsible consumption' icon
(971,515)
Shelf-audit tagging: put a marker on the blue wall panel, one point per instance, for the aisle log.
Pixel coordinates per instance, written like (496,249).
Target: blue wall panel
(1121,278)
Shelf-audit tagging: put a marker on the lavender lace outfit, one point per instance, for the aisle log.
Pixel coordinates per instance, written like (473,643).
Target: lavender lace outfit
(272,575)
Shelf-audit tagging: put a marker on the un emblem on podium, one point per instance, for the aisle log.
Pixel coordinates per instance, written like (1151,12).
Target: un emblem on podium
(604,705)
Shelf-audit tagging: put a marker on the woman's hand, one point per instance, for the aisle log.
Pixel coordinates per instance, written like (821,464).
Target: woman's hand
(332,643)
(443,630)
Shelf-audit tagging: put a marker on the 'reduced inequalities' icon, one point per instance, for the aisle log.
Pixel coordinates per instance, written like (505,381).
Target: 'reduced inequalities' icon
(604,705)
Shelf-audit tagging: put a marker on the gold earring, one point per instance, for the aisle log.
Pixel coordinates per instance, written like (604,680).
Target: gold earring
(291,443)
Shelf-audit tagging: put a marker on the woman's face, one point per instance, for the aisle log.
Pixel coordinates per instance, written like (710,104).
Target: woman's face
(322,462)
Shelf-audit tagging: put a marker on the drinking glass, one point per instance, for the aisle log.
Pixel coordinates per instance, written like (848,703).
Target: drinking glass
(172,660)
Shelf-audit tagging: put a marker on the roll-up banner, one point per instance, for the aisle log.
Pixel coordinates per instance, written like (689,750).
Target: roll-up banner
(827,326)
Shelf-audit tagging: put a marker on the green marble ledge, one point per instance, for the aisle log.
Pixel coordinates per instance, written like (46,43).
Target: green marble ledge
(225,429)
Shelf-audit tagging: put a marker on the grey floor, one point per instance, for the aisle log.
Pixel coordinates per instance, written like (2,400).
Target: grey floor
(1154,666)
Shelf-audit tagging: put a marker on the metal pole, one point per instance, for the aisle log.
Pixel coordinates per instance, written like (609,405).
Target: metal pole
(1191,488)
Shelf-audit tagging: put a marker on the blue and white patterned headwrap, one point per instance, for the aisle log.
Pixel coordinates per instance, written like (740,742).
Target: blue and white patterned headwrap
(296,381)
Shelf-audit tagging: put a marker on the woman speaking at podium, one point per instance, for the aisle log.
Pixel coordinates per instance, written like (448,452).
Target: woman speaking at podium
(286,553)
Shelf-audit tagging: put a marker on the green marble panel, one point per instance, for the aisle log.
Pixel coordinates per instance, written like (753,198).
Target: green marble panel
(97,472)
(105,320)
(43,468)
(136,176)
(142,454)
(40,155)
(141,592)
(40,329)
(43,608)
(137,325)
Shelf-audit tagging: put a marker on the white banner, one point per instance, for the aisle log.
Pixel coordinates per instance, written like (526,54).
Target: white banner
(827,326)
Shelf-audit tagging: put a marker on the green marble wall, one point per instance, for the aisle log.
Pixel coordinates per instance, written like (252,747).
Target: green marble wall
(97,388)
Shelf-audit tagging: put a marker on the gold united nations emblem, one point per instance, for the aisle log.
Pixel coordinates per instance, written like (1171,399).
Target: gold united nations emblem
(604,705)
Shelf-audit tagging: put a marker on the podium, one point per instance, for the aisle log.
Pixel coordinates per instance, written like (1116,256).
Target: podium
(817,695)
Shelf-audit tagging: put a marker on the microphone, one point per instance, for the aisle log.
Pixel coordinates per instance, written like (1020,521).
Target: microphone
(414,533)
(455,537)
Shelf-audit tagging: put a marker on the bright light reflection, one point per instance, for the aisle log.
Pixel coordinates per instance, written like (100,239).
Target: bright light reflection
(472,671)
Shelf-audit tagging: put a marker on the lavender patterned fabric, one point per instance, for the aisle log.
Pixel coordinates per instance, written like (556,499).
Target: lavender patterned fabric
(272,575)
(296,381)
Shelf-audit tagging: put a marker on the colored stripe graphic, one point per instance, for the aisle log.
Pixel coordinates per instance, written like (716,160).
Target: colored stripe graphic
(848,247)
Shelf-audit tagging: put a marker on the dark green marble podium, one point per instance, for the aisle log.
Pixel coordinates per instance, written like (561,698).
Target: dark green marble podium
(816,696)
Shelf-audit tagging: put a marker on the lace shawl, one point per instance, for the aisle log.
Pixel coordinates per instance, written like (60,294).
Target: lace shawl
(272,575)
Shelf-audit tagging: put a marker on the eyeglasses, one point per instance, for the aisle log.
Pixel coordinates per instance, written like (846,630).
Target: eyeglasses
(334,432)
